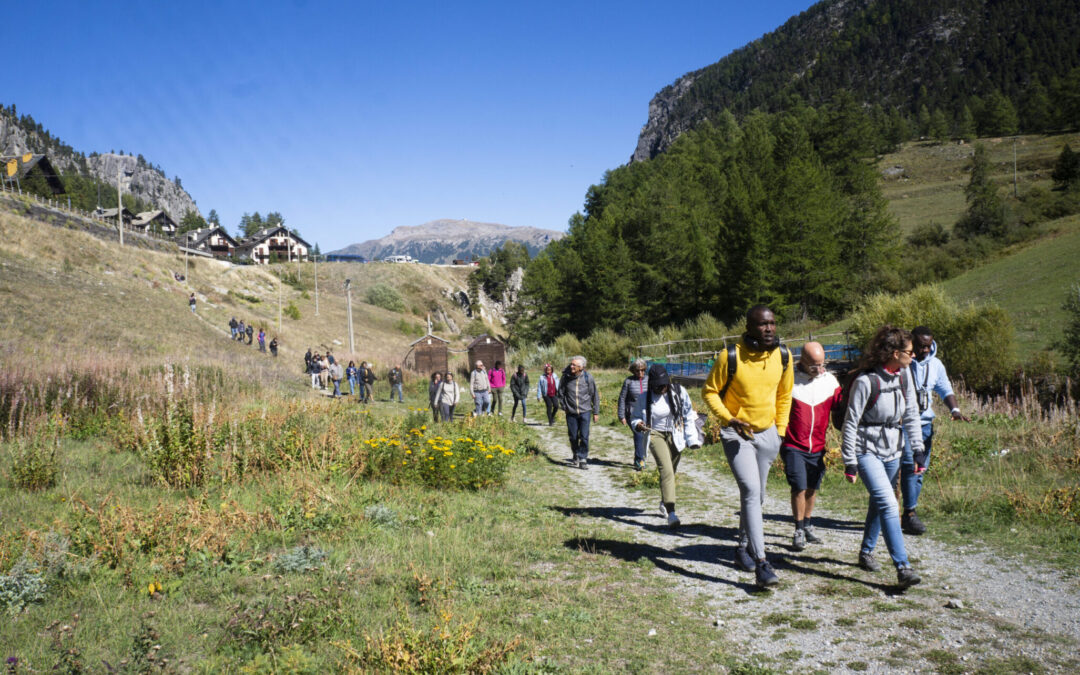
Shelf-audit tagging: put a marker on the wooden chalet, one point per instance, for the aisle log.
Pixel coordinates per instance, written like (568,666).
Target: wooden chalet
(110,214)
(213,240)
(27,167)
(430,354)
(271,242)
(487,349)
(154,221)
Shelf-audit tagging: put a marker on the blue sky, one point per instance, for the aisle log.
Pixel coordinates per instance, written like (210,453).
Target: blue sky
(354,118)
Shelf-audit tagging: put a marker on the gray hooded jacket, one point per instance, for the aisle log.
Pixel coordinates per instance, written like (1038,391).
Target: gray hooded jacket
(877,430)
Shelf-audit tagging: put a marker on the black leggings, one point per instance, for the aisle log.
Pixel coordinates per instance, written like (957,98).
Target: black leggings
(552,405)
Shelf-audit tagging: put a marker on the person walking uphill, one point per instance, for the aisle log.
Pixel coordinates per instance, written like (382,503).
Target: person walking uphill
(633,387)
(497,380)
(580,401)
(666,417)
(480,387)
(813,397)
(881,400)
(749,391)
(548,391)
(928,374)
(191,303)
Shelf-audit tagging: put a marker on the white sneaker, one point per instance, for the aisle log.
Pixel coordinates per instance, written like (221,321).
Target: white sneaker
(673,520)
(663,509)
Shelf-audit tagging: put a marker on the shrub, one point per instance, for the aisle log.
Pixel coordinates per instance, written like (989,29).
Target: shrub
(1070,341)
(567,345)
(21,586)
(176,451)
(292,311)
(301,559)
(976,343)
(604,348)
(387,297)
(33,465)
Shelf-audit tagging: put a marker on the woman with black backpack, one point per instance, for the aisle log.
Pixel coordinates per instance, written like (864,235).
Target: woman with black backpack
(880,403)
(666,414)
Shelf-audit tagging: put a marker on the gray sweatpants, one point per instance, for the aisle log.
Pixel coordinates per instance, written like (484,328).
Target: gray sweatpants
(750,462)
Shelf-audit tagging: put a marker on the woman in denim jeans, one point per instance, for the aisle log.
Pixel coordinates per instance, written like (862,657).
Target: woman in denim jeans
(881,401)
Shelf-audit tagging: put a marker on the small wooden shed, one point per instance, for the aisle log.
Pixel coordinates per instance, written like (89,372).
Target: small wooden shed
(429,354)
(487,349)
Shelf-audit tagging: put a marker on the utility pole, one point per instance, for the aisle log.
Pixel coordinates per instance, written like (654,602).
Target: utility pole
(1014,166)
(348,311)
(279,305)
(119,202)
(316,285)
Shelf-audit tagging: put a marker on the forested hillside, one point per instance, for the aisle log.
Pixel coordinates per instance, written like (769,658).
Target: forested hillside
(956,68)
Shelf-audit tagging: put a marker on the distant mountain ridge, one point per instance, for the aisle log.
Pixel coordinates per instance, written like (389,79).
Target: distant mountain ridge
(19,135)
(904,55)
(445,240)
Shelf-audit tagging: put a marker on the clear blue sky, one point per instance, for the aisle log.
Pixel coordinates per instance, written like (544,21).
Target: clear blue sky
(354,118)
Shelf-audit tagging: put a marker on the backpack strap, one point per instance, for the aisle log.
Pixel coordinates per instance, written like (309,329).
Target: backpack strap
(785,359)
(732,364)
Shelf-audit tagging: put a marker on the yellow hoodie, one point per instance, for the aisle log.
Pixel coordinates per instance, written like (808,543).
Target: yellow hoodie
(760,394)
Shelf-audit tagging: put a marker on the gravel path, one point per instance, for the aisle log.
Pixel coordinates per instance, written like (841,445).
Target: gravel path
(972,610)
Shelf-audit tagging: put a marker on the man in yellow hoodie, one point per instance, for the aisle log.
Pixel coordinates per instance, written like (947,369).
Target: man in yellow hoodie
(752,404)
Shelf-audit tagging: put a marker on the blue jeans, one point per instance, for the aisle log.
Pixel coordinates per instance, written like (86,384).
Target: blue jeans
(483,402)
(577,426)
(910,482)
(883,515)
(641,443)
(352,386)
(396,388)
(337,388)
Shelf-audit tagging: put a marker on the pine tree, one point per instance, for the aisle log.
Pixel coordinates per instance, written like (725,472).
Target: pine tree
(1038,113)
(1066,172)
(999,116)
(984,215)
(965,125)
(213,218)
(939,126)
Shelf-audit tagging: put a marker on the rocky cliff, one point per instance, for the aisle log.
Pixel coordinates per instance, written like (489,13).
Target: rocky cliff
(443,241)
(21,135)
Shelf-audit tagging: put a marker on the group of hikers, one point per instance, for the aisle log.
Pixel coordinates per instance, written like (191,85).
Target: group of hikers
(326,372)
(241,331)
(767,405)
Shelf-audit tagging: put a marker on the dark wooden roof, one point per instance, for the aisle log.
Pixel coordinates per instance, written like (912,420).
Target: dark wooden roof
(481,340)
(429,335)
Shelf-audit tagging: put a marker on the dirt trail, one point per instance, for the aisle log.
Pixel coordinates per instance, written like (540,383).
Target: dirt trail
(828,614)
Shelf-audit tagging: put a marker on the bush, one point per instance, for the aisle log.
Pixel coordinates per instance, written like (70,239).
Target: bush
(387,297)
(292,311)
(175,449)
(21,586)
(33,465)
(976,343)
(567,345)
(1070,342)
(604,348)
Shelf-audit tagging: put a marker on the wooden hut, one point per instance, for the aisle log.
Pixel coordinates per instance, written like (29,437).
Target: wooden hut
(487,349)
(429,354)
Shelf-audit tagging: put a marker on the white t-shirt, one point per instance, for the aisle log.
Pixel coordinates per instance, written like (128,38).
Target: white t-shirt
(662,419)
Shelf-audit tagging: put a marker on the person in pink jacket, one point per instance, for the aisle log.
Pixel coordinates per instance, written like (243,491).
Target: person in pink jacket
(497,380)
(813,396)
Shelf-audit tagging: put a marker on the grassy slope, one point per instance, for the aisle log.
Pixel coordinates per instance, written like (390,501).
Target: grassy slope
(68,293)
(931,189)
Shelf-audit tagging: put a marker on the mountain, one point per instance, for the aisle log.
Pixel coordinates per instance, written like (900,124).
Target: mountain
(146,182)
(977,58)
(443,241)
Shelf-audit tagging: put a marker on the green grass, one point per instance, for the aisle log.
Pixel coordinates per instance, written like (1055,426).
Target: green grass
(1029,282)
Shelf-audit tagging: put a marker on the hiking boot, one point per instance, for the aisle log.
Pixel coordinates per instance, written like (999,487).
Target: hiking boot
(673,520)
(906,577)
(765,575)
(583,463)
(798,542)
(867,562)
(911,524)
(639,464)
(744,560)
(811,535)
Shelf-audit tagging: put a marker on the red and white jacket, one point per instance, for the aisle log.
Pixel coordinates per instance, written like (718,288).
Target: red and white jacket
(812,399)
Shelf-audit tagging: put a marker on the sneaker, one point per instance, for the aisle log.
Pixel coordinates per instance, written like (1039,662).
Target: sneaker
(811,535)
(663,509)
(765,575)
(583,463)
(867,562)
(798,541)
(906,577)
(639,464)
(911,524)
(744,560)
(673,520)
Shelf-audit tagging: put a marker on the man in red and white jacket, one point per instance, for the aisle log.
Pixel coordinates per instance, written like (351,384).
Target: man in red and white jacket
(813,396)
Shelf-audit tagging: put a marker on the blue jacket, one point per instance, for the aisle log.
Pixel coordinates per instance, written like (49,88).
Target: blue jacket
(930,374)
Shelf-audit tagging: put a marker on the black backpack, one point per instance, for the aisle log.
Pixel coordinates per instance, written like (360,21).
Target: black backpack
(733,364)
(839,411)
